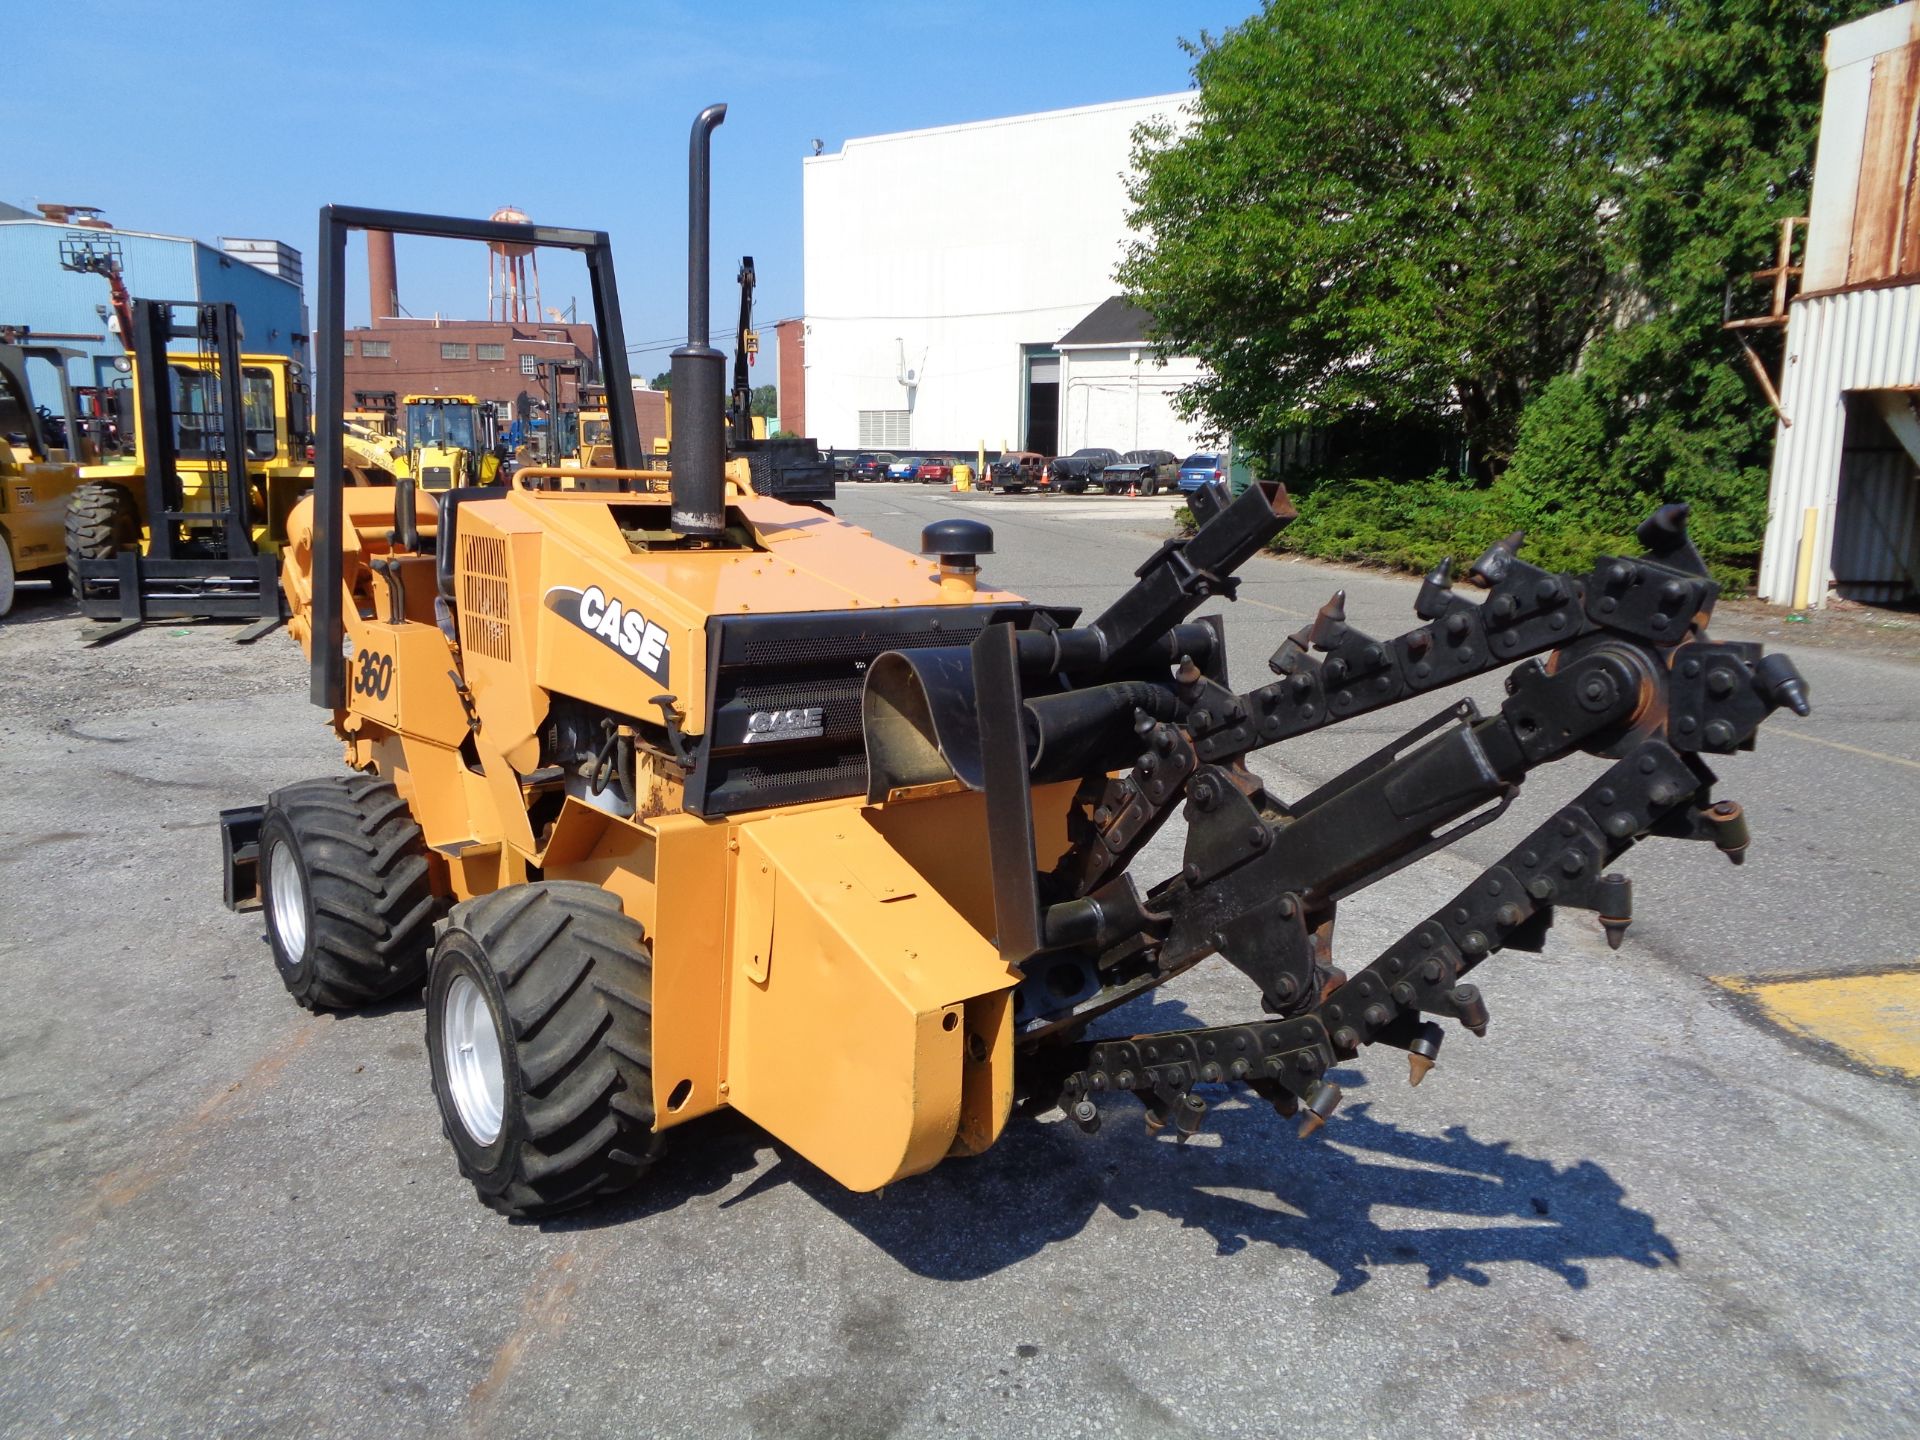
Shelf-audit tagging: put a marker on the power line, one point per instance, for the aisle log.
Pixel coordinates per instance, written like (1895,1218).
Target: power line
(671,342)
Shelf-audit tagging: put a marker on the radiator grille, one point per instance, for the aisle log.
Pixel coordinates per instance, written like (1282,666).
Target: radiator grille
(485,615)
(816,649)
(802,662)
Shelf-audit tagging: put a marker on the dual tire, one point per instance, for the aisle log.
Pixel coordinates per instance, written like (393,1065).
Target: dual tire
(539,996)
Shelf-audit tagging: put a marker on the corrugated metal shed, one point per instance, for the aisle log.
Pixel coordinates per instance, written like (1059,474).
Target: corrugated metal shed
(1840,474)
(35,290)
(1857,341)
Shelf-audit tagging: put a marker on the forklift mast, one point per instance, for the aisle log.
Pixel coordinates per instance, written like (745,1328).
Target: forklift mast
(550,373)
(215,330)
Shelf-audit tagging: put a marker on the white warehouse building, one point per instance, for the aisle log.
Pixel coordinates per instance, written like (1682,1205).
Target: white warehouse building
(960,292)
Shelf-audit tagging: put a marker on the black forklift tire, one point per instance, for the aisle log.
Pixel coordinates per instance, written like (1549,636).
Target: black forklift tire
(102,520)
(540,1036)
(347,891)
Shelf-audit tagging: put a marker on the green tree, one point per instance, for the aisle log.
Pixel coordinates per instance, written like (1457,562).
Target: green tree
(766,401)
(662,381)
(1398,207)
(1727,111)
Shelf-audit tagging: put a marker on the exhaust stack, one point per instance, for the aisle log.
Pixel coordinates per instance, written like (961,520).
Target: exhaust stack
(699,447)
(382,277)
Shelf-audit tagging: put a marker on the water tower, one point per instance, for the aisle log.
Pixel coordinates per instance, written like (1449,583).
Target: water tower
(511,296)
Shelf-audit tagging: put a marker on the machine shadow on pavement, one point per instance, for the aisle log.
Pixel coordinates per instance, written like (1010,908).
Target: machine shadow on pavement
(1329,1197)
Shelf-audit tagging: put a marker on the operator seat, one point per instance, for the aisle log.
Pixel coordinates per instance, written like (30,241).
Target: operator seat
(450,502)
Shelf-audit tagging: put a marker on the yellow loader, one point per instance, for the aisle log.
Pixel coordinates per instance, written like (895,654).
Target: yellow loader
(450,442)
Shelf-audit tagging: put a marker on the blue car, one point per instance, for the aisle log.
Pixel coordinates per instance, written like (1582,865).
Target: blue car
(1202,469)
(908,469)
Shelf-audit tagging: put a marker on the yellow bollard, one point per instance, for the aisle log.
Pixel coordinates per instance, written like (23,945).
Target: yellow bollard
(1803,566)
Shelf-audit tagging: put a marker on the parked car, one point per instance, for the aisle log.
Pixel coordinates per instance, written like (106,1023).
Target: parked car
(907,468)
(872,464)
(1142,470)
(1017,470)
(935,470)
(1201,469)
(1073,473)
(842,462)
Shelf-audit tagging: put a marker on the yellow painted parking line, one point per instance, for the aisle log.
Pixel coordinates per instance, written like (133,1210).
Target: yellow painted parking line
(1842,745)
(1874,1019)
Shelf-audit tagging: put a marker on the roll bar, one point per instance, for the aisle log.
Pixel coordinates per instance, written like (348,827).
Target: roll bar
(328,671)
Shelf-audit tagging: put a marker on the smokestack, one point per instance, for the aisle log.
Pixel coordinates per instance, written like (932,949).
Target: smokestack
(699,446)
(382,278)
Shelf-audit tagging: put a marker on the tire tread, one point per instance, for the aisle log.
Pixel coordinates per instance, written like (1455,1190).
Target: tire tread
(577,976)
(371,889)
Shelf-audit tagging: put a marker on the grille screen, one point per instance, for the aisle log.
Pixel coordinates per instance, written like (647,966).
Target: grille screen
(485,617)
(768,667)
(811,649)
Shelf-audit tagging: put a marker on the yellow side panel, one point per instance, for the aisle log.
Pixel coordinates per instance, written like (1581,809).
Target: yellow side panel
(689,936)
(869,1032)
(945,838)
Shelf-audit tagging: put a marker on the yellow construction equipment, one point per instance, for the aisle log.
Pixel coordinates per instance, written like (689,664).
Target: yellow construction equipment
(171,528)
(679,797)
(450,442)
(596,437)
(40,467)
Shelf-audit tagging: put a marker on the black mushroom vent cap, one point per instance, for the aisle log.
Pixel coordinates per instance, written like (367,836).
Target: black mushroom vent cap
(957,541)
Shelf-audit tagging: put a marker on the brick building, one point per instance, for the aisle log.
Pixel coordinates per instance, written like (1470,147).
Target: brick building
(792,336)
(494,360)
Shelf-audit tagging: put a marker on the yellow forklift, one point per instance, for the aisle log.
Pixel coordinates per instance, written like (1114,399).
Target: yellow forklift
(192,522)
(174,530)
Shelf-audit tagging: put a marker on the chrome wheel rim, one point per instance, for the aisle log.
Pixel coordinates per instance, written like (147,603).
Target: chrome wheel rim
(476,1077)
(287,889)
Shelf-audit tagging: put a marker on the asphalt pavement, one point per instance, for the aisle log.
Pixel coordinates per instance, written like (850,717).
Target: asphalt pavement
(1638,1206)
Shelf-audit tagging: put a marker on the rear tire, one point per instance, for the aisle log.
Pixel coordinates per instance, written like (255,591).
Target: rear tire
(6,573)
(540,1034)
(102,520)
(346,889)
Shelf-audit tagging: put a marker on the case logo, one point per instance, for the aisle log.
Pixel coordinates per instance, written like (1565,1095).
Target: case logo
(615,624)
(807,722)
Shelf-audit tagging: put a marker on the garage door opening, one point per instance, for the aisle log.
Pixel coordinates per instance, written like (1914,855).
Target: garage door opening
(1876,535)
(1040,407)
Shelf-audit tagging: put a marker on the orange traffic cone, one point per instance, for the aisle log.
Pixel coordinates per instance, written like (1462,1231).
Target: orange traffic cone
(1133,490)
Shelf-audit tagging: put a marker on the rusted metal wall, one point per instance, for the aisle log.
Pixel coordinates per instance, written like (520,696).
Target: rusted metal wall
(1865,217)
(1855,326)
(1853,341)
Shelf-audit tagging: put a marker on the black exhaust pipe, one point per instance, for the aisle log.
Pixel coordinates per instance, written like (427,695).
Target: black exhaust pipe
(699,446)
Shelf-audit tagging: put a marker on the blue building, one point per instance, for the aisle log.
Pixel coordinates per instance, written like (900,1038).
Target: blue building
(36,292)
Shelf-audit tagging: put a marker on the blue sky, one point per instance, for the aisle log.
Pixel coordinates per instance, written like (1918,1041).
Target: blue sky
(209,118)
